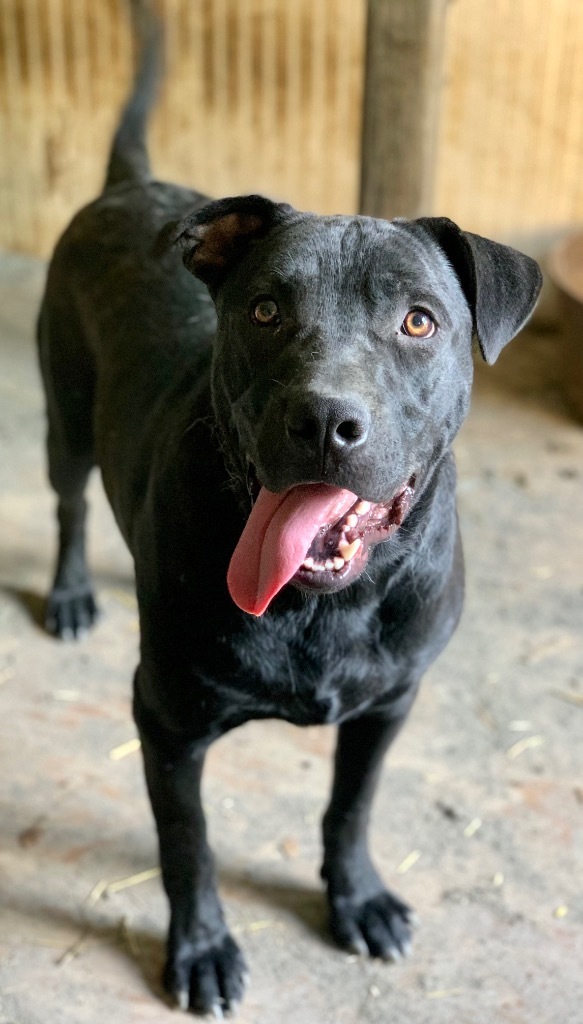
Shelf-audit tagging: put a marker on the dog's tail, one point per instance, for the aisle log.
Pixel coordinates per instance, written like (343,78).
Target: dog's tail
(128,159)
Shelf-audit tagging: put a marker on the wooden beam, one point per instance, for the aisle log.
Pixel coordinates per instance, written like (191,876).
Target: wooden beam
(403,81)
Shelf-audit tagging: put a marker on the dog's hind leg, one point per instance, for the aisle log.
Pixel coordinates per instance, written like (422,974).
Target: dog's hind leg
(69,386)
(364,916)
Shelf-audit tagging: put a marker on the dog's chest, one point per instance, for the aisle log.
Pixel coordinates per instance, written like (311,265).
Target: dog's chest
(312,671)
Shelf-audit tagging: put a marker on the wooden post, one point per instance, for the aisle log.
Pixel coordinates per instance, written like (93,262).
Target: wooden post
(405,41)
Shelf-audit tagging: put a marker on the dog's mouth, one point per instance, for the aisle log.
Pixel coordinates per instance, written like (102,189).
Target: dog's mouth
(315,536)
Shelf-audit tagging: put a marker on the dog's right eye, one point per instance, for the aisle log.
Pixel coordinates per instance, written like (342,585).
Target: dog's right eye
(265,312)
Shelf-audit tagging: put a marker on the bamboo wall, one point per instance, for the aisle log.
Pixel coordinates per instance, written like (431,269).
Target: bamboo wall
(261,95)
(510,149)
(266,95)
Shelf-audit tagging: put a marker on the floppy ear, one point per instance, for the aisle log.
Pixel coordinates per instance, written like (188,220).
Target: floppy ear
(215,237)
(500,284)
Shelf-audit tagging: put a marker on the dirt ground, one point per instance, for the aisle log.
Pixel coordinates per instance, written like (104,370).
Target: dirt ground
(479,821)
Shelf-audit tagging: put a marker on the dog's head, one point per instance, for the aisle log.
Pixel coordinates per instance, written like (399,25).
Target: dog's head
(342,372)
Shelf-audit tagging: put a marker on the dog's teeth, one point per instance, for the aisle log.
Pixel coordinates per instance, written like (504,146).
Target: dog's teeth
(329,564)
(348,551)
(318,567)
(308,563)
(362,508)
(352,521)
(338,563)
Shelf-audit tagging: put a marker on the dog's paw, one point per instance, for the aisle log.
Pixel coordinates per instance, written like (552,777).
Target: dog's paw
(209,983)
(70,612)
(380,926)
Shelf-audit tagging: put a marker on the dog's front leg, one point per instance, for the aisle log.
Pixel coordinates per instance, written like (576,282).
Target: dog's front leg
(205,970)
(364,916)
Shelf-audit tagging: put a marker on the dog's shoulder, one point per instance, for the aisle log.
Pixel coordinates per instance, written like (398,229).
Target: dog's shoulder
(127,218)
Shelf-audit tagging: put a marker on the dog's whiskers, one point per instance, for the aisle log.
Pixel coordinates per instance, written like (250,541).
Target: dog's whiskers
(198,422)
(292,677)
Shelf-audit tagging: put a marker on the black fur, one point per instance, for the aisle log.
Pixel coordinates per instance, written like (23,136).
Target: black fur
(172,400)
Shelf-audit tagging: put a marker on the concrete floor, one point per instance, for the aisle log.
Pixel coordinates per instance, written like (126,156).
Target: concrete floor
(479,820)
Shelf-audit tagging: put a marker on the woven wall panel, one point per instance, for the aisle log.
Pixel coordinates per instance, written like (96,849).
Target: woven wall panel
(266,95)
(510,153)
(261,95)
(63,70)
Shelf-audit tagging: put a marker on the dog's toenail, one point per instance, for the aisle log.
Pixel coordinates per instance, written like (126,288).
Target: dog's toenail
(182,999)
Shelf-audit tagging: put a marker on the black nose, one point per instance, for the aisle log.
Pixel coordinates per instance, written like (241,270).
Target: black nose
(327,423)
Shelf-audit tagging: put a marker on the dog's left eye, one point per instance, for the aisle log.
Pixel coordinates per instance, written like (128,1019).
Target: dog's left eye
(418,324)
(265,312)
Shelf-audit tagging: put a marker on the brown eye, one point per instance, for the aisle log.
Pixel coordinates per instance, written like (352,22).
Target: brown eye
(265,312)
(418,324)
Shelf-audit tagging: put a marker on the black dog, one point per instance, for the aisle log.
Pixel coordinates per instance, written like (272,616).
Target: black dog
(279,463)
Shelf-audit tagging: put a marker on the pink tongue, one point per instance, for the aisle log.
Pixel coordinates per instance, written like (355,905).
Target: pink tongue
(276,539)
